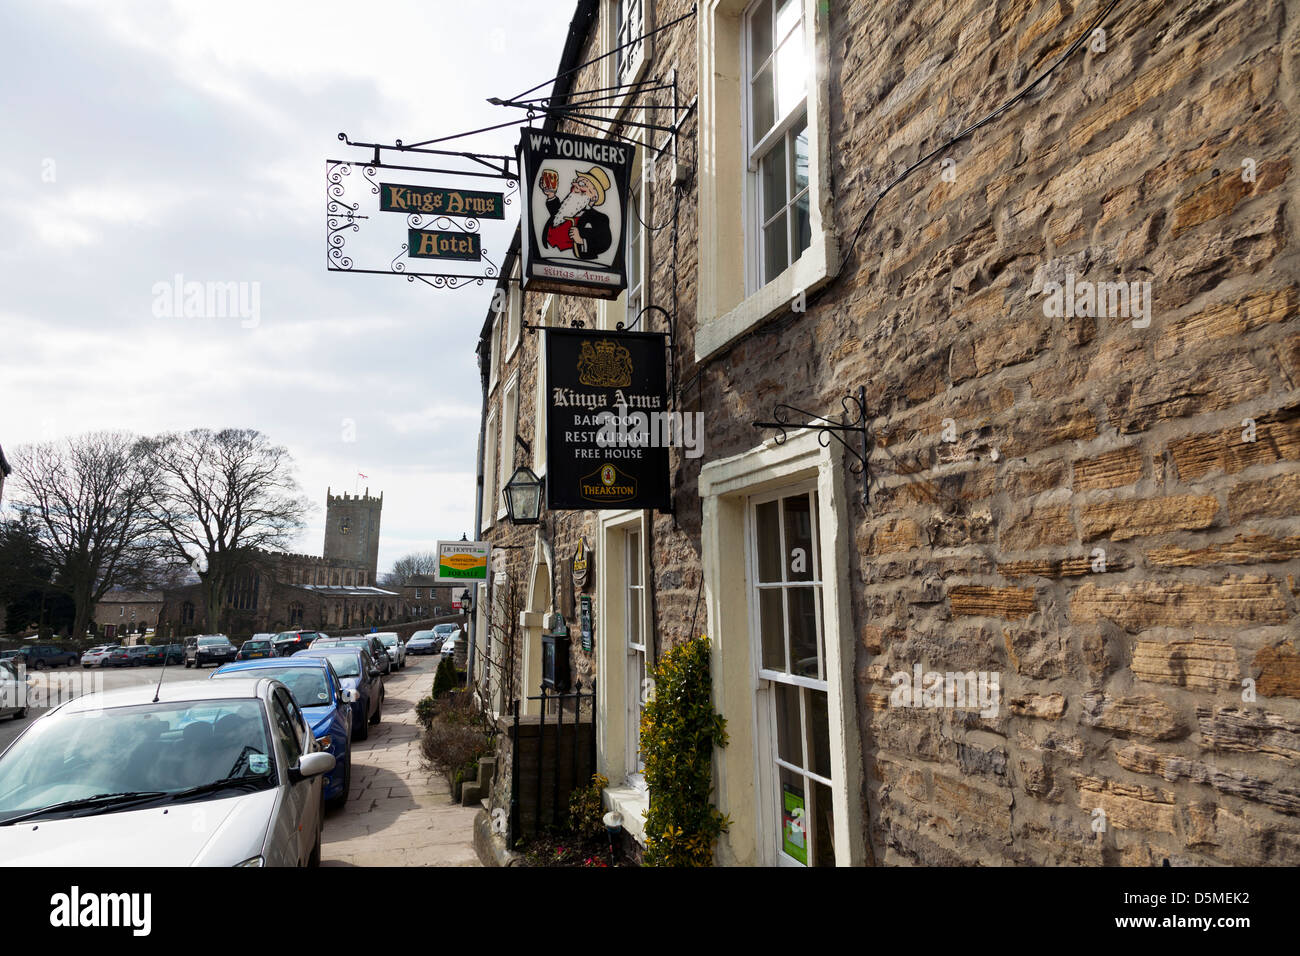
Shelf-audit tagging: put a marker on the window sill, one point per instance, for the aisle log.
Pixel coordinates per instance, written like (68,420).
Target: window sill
(632,803)
(810,271)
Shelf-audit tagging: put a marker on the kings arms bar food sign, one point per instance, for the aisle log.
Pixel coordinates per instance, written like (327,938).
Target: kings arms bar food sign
(574,213)
(603,387)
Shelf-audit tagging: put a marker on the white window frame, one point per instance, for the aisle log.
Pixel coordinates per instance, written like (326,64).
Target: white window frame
(635,70)
(494,359)
(726,309)
(726,487)
(509,426)
(626,793)
(769,788)
(514,313)
(756,217)
(488,515)
(634,557)
(550,307)
(609,314)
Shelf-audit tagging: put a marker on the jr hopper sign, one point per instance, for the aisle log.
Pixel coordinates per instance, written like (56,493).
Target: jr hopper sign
(595,381)
(574,213)
(460,562)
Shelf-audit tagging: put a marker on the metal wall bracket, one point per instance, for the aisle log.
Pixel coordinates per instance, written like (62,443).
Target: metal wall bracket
(854,424)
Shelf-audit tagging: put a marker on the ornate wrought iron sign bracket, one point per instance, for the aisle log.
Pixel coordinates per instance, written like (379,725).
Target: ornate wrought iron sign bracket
(854,424)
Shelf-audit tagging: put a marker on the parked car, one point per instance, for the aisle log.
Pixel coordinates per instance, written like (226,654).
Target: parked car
(133,656)
(96,656)
(208,649)
(40,656)
(393,647)
(444,631)
(13,691)
(422,642)
(325,703)
(357,671)
(449,646)
(236,755)
(367,641)
(291,642)
(159,654)
(255,649)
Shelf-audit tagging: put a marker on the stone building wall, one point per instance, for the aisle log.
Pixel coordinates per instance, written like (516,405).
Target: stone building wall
(1104,515)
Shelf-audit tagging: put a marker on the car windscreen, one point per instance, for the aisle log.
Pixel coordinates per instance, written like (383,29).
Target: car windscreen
(389,641)
(346,663)
(167,747)
(308,685)
(214,640)
(446,629)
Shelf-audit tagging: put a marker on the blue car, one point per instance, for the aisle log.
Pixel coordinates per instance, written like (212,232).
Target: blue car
(325,703)
(358,672)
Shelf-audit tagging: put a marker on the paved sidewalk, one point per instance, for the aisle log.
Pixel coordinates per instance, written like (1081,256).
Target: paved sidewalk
(397,814)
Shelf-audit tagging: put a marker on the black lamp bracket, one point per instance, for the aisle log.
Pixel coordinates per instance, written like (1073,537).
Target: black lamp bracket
(854,424)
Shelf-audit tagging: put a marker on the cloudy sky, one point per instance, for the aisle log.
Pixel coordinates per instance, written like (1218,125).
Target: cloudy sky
(146,139)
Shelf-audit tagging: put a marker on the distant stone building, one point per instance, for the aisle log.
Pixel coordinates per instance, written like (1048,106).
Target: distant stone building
(422,598)
(119,613)
(279,591)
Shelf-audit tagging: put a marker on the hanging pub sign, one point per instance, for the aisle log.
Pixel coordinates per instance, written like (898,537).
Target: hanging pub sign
(607,421)
(441,201)
(462,562)
(574,213)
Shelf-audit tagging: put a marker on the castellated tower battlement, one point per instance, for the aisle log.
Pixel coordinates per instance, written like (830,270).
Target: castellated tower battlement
(352,529)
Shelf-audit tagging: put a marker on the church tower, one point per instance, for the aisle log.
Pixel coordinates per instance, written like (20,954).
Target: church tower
(352,530)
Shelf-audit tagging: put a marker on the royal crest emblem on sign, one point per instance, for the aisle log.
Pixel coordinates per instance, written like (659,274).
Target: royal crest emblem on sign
(606,365)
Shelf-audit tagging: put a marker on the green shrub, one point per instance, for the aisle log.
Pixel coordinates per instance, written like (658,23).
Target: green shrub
(425,708)
(455,738)
(445,678)
(679,729)
(587,810)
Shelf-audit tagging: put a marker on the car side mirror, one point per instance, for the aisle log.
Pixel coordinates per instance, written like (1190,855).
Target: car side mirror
(350,696)
(312,765)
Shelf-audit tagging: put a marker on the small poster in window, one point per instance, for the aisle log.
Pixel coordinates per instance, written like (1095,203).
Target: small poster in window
(794,838)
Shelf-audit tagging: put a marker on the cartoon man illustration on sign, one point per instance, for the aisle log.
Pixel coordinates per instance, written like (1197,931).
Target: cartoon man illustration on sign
(575,223)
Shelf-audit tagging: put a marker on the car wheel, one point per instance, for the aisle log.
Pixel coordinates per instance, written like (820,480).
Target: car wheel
(38,666)
(20,713)
(342,798)
(378,710)
(189,664)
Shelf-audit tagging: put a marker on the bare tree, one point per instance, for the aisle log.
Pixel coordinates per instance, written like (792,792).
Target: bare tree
(89,497)
(498,661)
(410,565)
(220,497)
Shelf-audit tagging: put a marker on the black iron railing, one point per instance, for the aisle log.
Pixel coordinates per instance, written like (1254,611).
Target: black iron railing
(577,780)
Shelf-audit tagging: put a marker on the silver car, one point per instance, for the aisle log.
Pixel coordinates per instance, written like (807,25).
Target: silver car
(394,647)
(13,689)
(212,773)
